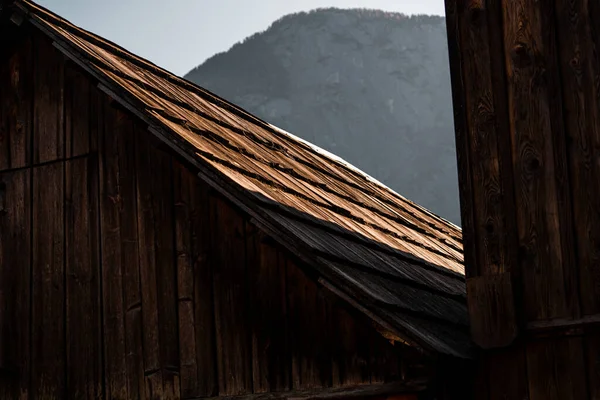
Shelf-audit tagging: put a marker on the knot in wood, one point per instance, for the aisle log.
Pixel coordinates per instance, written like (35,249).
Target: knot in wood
(534,164)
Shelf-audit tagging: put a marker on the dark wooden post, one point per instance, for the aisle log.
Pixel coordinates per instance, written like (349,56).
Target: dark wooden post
(526,93)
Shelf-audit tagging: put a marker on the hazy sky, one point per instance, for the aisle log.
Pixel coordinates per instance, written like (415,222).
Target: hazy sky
(180,34)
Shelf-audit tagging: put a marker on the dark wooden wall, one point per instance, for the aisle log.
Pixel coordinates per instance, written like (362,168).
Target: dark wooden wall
(526,83)
(123,276)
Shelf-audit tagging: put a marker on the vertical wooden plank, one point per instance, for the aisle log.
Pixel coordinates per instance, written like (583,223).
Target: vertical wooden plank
(130,256)
(48,132)
(84,354)
(15,108)
(454,379)
(462,144)
(48,328)
(350,347)
(538,174)
(136,385)
(511,365)
(111,131)
(165,262)
(492,310)
(158,274)
(384,359)
(95,100)
(77,112)
(183,188)
(480,379)
(15,294)
(266,282)
(196,314)
(592,352)
(311,365)
(556,369)
(488,191)
(147,240)
(499,88)
(230,290)
(566,225)
(579,66)
(204,308)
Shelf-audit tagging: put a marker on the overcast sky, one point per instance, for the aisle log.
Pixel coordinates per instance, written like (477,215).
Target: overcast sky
(180,34)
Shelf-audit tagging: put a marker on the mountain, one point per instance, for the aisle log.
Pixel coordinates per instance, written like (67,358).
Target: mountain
(370,86)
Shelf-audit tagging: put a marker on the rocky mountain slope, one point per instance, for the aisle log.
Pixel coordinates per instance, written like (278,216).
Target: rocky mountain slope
(369,86)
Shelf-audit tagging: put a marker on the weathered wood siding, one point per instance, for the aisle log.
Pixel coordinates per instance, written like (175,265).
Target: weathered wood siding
(526,96)
(123,276)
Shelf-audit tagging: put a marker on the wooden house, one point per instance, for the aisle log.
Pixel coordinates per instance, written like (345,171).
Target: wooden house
(158,242)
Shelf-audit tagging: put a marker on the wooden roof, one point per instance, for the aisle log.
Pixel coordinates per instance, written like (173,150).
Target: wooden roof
(395,261)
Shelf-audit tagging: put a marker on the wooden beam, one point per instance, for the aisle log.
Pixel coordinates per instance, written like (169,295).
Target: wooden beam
(563,324)
(360,391)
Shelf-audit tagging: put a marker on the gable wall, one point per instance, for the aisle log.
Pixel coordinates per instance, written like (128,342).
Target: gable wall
(122,275)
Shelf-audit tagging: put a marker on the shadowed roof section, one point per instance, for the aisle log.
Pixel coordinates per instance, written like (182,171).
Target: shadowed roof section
(399,262)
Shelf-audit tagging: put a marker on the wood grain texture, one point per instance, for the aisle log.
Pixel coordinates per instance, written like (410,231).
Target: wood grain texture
(556,370)
(157,257)
(194,283)
(266,282)
(130,264)
(492,309)
(311,366)
(77,103)
(385,359)
(234,351)
(147,259)
(350,347)
(194,277)
(83,294)
(184,184)
(158,273)
(591,349)
(579,62)
(15,279)
(15,108)
(204,311)
(113,132)
(482,136)
(461,137)
(48,297)
(511,365)
(48,110)
(538,159)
